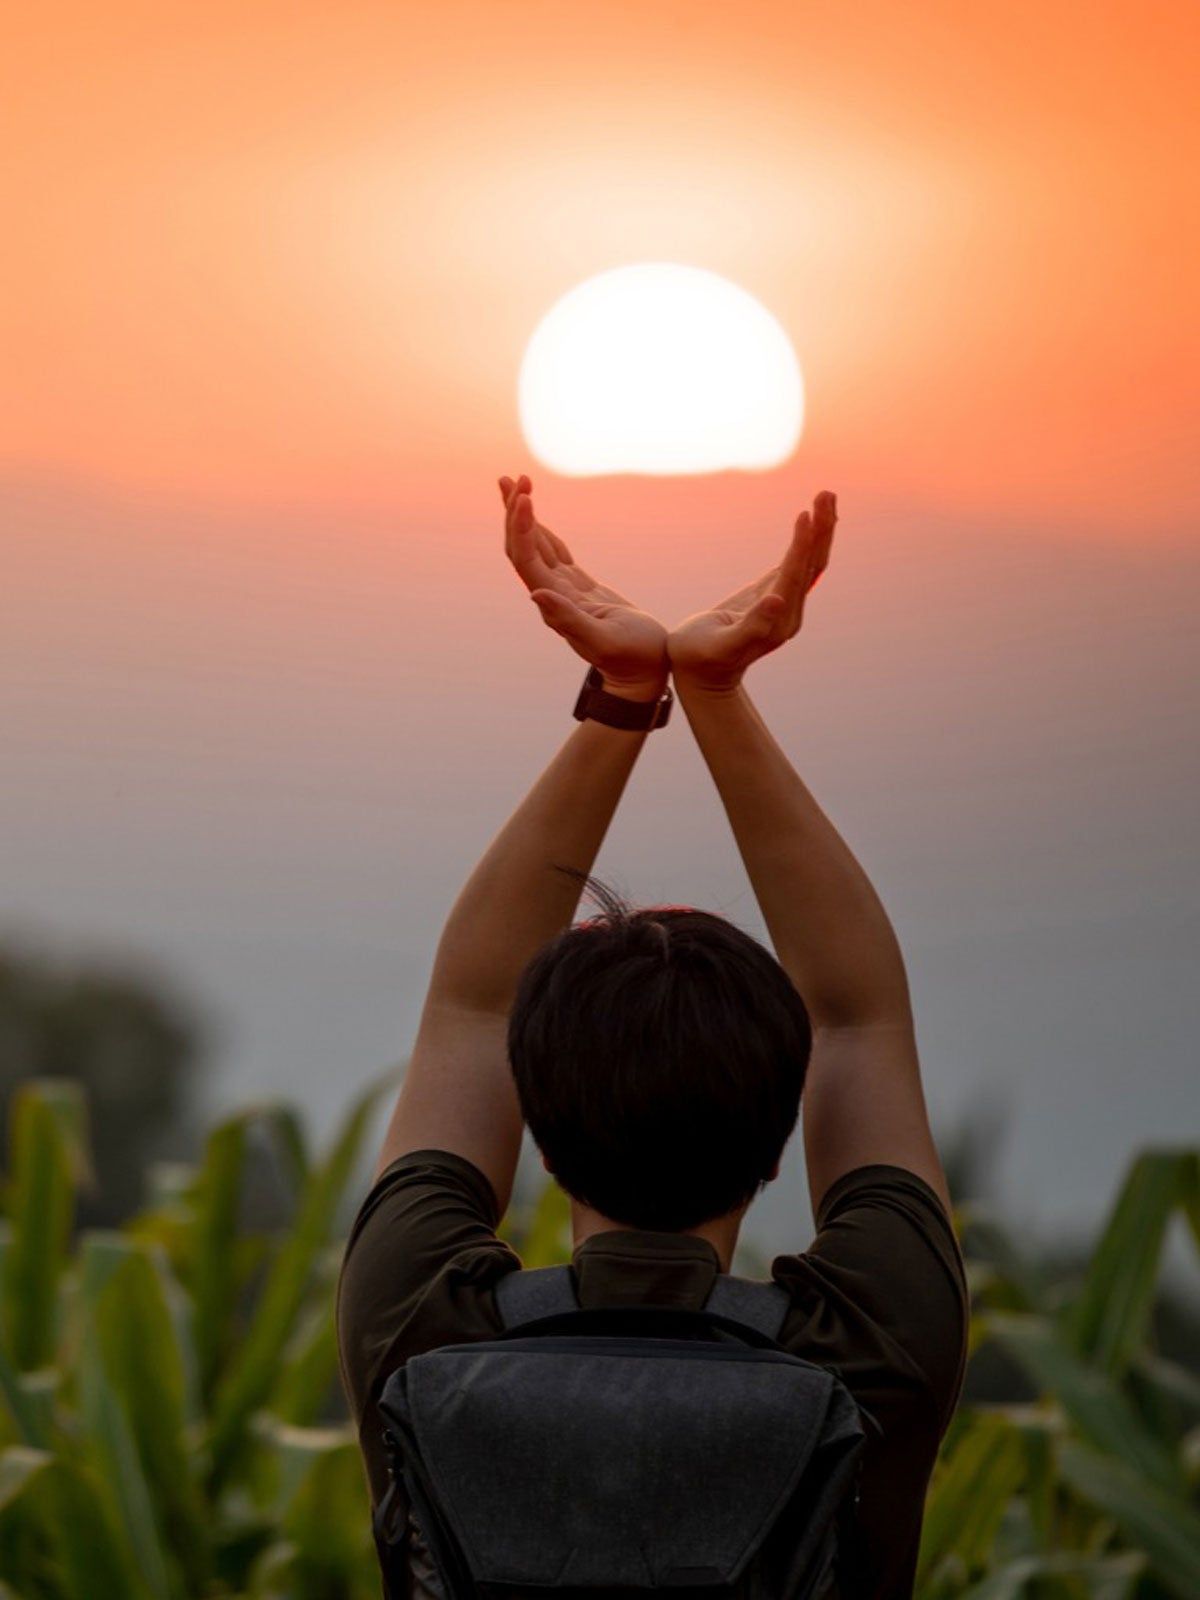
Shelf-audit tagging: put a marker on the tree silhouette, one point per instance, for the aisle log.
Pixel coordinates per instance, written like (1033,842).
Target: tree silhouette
(126,1038)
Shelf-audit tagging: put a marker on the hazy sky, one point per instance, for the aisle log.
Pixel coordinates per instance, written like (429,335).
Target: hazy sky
(267,686)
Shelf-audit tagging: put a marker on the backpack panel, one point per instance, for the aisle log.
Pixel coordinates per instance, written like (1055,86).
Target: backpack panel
(603,1453)
(582,1467)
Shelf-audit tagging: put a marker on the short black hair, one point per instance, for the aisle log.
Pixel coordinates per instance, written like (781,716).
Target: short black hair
(659,1056)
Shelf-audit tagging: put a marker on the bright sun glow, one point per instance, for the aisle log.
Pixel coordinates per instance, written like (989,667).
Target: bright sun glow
(662,370)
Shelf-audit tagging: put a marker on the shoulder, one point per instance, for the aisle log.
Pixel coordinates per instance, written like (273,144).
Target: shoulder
(881,1292)
(420,1263)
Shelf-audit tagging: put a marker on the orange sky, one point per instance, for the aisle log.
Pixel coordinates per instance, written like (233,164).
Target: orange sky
(291,254)
(267,684)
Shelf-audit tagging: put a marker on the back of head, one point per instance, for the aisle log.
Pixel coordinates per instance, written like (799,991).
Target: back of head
(659,1056)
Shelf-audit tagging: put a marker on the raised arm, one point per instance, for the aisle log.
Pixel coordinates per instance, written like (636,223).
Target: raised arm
(863,1101)
(458,1092)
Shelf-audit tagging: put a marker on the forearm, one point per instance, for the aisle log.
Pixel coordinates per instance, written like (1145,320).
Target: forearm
(514,900)
(830,931)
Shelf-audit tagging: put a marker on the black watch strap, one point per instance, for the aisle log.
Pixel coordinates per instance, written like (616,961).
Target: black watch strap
(637,715)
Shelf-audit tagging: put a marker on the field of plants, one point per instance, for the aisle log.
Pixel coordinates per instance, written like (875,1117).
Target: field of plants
(171,1425)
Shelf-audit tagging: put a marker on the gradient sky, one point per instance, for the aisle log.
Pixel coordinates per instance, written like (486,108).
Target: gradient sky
(267,686)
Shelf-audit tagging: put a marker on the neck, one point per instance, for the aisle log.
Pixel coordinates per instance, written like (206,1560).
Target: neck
(721,1232)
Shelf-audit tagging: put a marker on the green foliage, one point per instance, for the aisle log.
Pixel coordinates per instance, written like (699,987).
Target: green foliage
(541,1233)
(46,1143)
(171,1426)
(1090,1490)
(160,1385)
(124,1038)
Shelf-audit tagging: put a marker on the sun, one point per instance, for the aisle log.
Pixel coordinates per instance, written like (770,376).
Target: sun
(659,369)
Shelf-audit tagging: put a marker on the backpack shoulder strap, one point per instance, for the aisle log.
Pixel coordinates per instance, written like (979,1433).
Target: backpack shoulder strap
(760,1305)
(532,1292)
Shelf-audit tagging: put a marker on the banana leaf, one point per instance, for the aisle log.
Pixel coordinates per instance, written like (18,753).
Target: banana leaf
(309,1367)
(137,1340)
(1098,1408)
(253,1371)
(109,1437)
(1110,1317)
(542,1236)
(28,1418)
(47,1160)
(1096,1577)
(327,1536)
(1039,1431)
(1191,1202)
(969,1495)
(55,1519)
(212,1255)
(1166,1528)
(285,1129)
(1004,1277)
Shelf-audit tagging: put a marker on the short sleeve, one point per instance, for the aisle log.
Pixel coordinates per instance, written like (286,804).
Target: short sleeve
(885,1247)
(422,1257)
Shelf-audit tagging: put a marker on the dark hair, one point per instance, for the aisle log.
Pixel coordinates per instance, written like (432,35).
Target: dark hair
(659,1056)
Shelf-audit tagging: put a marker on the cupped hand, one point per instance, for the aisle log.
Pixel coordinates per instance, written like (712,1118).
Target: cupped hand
(607,630)
(712,649)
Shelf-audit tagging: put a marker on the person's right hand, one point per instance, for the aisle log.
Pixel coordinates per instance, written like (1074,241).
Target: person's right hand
(712,649)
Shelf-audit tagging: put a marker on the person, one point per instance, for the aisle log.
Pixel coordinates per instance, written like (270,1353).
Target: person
(660,1057)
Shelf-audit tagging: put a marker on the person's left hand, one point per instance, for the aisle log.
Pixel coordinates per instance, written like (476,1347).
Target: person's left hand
(627,645)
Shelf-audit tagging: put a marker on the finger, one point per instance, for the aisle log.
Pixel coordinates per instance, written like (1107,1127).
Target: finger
(587,585)
(545,542)
(764,612)
(748,593)
(559,545)
(513,493)
(793,569)
(524,530)
(824,521)
(759,622)
(521,545)
(564,616)
(554,550)
(546,547)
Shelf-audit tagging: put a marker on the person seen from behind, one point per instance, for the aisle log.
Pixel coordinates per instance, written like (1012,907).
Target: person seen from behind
(661,1058)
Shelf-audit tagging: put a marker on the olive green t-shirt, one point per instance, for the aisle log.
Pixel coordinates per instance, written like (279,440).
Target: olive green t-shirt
(879,1296)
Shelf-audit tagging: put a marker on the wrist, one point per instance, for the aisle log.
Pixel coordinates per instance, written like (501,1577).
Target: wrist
(691,688)
(646,689)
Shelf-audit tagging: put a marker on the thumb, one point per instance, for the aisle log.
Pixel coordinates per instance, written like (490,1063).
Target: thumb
(565,617)
(760,618)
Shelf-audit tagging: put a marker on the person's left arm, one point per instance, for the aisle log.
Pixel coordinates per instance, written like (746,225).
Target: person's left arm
(458,1093)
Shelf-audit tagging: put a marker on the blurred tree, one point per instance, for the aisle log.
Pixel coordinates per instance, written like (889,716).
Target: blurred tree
(971,1149)
(130,1042)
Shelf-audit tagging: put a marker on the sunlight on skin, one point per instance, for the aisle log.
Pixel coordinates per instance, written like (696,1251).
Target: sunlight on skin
(660,369)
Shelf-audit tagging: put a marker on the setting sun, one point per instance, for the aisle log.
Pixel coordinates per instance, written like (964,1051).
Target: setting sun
(660,369)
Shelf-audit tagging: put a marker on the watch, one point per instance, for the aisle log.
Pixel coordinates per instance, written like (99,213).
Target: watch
(639,715)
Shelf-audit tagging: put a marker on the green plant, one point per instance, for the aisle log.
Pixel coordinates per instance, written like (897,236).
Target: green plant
(162,1387)
(171,1427)
(1087,1491)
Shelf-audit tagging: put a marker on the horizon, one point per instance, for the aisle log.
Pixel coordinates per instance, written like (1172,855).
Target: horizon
(271,278)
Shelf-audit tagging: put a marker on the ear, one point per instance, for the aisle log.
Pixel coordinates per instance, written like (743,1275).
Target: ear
(545,1163)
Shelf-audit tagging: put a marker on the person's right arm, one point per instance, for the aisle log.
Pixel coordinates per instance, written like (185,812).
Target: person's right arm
(863,1101)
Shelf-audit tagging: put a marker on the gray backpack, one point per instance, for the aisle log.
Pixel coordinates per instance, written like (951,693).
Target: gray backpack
(602,1453)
